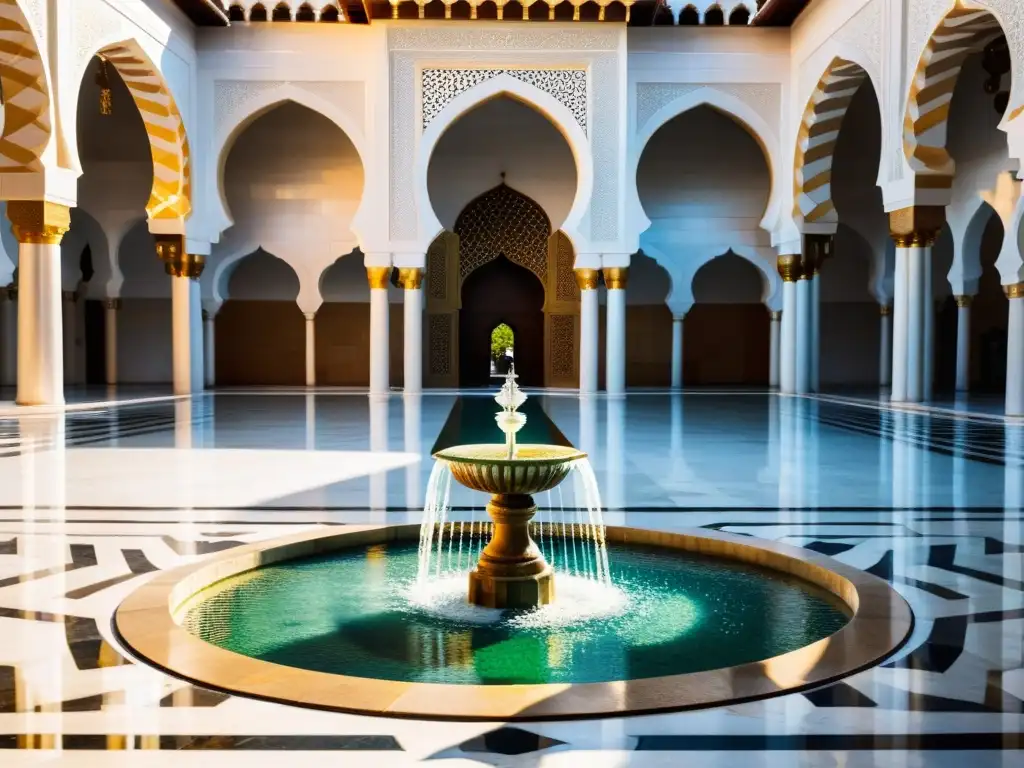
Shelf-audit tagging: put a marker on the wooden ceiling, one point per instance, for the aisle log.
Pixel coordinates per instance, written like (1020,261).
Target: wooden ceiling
(218,13)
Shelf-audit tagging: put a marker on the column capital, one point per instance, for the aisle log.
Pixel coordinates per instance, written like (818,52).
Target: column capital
(917,226)
(410,278)
(38,221)
(1014,291)
(378,277)
(113,303)
(963,301)
(587,279)
(616,278)
(170,249)
(310,316)
(789,267)
(775,315)
(885,310)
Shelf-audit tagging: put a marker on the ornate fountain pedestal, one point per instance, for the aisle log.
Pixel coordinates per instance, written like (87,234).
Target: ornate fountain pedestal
(512,572)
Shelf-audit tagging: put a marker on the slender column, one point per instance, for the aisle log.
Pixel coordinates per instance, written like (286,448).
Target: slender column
(9,322)
(310,349)
(586,279)
(1015,350)
(803,331)
(775,330)
(963,343)
(885,347)
(111,306)
(815,331)
(379,343)
(677,351)
(615,279)
(914,231)
(69,311)
(789,270)
(39,227)
(928,343)
(186,324)
(411,280)
(209,351)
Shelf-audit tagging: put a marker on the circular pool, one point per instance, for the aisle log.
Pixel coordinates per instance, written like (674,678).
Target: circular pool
(340,621)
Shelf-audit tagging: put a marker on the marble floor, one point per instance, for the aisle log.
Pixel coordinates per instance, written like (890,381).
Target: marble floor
(95,500)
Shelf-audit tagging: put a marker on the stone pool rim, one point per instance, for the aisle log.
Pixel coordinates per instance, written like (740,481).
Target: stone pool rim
(146,623)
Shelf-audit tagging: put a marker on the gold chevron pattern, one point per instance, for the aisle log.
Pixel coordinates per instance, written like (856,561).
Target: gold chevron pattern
(25,93)
(960,33)
(816,143)
(172,182)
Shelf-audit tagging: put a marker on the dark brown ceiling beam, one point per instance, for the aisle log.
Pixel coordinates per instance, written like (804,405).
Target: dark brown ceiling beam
(778,13)
(204,13)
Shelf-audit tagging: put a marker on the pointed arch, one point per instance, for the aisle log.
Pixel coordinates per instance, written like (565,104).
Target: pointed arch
(27,125)
(503,221)
(816,141)
(548,106)
(260,104)
(730,106)
(171,196)
(961,32)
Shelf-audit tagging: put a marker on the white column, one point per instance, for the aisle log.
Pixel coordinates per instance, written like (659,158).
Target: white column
(615,279)
(411,280)
(69,312)
(885,347)
(963,343)
(775,330)
(677,351)
(310,349)
(209,350)
(39,228)
(928,334)
(586,279)
(787,372)
(815,332)
(915,324)
(1015,350)
(803,334)
(186,319)
(379,341)
(9,334)
(899,324)
(111,306)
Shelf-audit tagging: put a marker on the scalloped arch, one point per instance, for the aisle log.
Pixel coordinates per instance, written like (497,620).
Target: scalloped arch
(27,126)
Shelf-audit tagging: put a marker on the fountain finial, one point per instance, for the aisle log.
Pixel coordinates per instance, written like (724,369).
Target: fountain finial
(509,420)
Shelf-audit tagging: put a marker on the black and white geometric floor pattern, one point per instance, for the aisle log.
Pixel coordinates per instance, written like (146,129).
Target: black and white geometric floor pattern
(957,685)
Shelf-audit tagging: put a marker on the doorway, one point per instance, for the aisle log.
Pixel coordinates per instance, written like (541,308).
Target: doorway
(501,292)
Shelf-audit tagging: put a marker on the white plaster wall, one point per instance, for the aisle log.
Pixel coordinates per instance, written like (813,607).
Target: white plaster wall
(502,135)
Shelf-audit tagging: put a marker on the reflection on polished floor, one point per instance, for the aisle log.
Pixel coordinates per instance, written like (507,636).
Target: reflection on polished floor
(96,500)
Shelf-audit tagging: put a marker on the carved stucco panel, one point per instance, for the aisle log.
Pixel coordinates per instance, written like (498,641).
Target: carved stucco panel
(763,98)
(863,32)
(231,97)
(567,86)
(525,41)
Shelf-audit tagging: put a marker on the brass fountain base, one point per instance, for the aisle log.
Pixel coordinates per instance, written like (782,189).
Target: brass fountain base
(512,572)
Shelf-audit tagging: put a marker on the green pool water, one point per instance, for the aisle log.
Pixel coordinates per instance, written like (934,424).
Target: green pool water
(358,612)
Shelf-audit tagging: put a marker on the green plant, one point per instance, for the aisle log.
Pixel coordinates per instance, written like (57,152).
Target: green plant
(501,339)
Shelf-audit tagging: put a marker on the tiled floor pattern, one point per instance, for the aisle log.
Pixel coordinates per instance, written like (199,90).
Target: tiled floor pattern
(952,545)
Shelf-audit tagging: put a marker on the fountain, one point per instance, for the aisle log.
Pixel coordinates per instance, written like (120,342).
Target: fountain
(378,619)
(512,572)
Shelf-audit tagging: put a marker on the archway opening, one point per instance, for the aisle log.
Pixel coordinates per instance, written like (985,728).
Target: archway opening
(714,17)
(498,179)
(857,280)
(115,186)
(501,292)
(689,17)
(704,183)
(293,181)
(503,345)
(740,16)
(260,335)
(726,337)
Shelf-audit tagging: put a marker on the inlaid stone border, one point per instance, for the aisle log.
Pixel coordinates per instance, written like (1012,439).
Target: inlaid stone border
(147,623)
